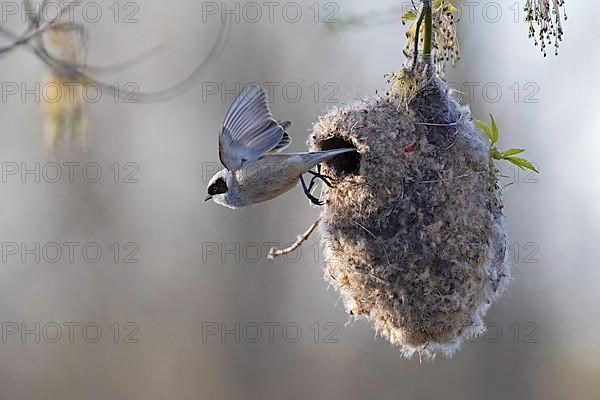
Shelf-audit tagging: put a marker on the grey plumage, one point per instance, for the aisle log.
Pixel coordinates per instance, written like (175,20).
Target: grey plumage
(249,130)
(249,147)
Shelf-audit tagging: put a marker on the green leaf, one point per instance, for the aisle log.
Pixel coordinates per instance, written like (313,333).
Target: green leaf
(512,152)
(495,133)
(485,128)
(409,15)
(522,163)
(495,153)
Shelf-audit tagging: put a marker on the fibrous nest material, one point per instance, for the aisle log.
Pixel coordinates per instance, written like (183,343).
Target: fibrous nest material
(413,229)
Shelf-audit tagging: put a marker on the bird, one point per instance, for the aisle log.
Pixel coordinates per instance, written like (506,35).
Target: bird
(250,148)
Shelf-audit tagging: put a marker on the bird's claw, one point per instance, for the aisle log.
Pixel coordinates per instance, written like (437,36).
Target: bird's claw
(314,200)
(307,190)
(319,175)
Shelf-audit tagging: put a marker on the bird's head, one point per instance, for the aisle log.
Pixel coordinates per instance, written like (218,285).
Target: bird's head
(219,186)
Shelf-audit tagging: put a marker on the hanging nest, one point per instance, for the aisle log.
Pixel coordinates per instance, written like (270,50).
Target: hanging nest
(413,230)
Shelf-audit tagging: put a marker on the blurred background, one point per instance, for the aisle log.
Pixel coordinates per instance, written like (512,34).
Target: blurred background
(117,281)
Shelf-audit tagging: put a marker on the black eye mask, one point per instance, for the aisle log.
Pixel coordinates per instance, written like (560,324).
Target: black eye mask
(217,187)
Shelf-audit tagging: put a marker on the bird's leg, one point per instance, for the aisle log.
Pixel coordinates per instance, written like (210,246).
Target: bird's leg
(319,175)
(307,190)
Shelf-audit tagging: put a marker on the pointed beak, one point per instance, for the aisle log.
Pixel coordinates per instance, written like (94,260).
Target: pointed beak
(208,198)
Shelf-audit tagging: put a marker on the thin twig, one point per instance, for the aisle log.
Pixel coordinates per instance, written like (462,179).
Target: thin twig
(416,49)
(428,35)
(34,22)
(39,29)
(299,241)
(94,69)
(452,178)
(82,73)
(432,124)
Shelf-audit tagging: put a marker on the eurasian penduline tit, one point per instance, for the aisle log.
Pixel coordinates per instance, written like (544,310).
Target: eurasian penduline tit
(250,146)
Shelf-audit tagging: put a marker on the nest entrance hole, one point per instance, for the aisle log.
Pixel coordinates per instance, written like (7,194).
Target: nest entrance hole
(344,164)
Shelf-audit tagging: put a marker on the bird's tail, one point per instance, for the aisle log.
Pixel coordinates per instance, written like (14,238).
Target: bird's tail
(317,157)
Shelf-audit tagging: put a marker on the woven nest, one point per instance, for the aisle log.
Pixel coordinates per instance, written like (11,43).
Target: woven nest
(413,229)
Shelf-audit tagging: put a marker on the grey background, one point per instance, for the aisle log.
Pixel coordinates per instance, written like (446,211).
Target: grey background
(543,339)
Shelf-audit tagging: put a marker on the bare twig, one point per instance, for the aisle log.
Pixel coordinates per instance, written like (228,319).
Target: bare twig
(124,64)
(299,241)
(38,28)
(417,31)
(428,35)
(432,124)
(82,73)
(48,58)
(451,178)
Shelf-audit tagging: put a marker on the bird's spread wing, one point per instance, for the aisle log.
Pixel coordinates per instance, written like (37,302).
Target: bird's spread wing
(286,140)
(249,130)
